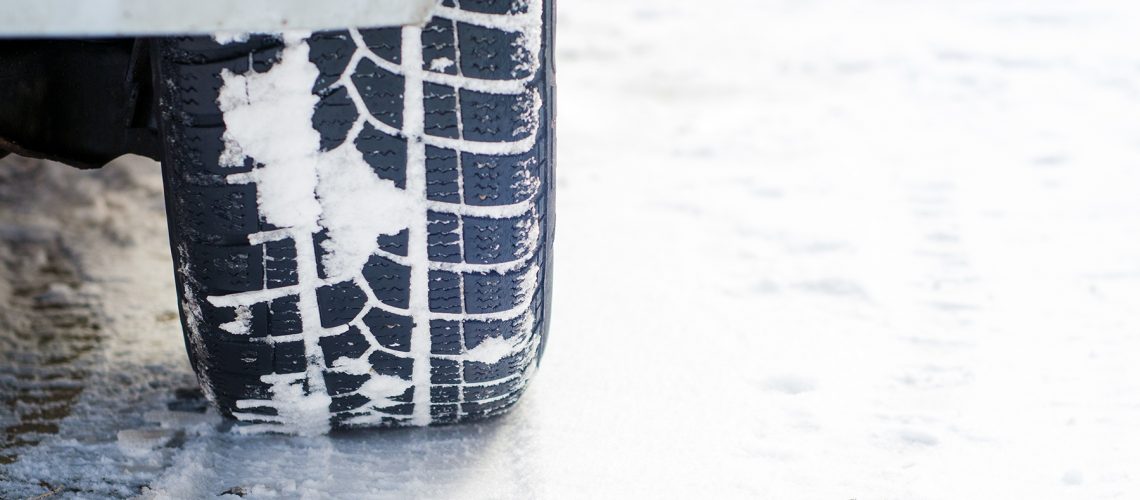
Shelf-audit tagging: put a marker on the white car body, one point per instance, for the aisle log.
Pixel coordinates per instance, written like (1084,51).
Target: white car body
(104,18)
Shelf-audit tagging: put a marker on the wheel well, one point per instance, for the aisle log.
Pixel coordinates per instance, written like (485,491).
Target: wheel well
(83,102)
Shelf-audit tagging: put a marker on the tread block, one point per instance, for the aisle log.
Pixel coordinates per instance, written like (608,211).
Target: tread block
(444,371)
(496,117)
(481,410)
(390,330)
(234,386)
(240,358)
(443,237)
(319,239)
(406,397)
(386,154)
(289,357)
(490,53)
(262,60)
(340,384)
(219,215)
(394,243)
(500,180)
(492,241)
(208,145)
(445,413)
(383,92)
(485,392)
(280,263)
(347,402)
(284,316)
(475,372)
(333,118)
(446,337)
(387,364)
(404,409)
(227,269)
(442,167)
(438,40)
(384,42)
(330,51)
(495,292)
(445,292)
(475,332)
(389,281)
(258,320)
(212,318)
(440,109)
(340,303)
(350,344)
(445,394)
(198,84)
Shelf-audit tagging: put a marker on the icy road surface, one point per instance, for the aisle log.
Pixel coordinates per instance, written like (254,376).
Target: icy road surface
(826,250)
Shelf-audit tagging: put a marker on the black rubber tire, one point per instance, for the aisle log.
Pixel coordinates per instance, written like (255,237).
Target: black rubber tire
(271,334)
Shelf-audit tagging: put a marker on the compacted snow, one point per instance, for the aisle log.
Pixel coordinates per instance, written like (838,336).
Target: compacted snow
(867,250)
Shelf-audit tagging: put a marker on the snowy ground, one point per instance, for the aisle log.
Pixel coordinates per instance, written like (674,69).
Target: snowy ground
(826,249)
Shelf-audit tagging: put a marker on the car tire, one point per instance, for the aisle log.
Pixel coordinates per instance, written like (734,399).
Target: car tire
(361,220)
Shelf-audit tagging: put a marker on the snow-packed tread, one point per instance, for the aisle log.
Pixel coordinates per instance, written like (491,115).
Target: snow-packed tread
(441,324)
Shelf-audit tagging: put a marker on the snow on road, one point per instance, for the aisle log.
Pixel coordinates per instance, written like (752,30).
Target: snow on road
(828,249)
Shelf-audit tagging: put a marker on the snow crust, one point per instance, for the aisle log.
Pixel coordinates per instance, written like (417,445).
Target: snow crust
(227,37)
(269,118)
(441,63)
(490,350)
(241,323)
(299,409)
